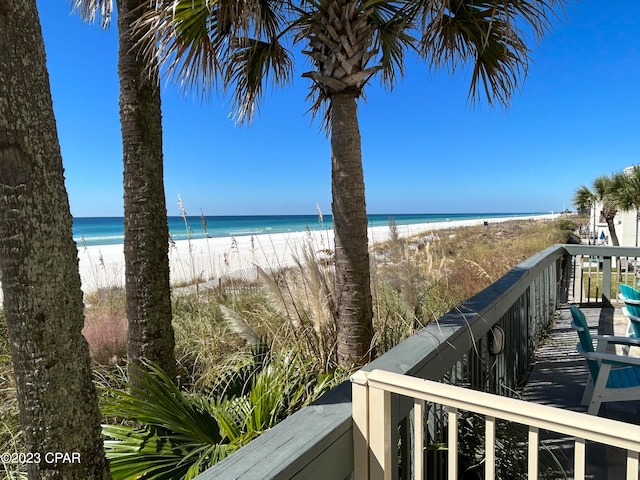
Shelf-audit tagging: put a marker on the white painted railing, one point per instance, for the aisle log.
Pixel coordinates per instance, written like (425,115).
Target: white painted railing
(373,426)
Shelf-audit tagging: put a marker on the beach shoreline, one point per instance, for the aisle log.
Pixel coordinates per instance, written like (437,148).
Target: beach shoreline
(204,259)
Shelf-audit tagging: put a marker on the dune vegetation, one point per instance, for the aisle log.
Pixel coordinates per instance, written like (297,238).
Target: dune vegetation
(251,353)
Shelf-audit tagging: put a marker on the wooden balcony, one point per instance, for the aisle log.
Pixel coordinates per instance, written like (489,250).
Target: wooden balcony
(529,304)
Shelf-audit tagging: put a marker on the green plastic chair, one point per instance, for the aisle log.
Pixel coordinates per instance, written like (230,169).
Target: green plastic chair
(612,377)
(631,298)
(629,294)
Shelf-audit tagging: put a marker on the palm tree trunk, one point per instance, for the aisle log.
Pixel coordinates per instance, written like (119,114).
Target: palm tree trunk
(595,233)
(146,236)
(353,288)
(39,264)
(612,230)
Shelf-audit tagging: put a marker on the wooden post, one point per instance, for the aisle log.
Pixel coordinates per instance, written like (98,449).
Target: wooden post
(380,451)
(360,414)
(606,281)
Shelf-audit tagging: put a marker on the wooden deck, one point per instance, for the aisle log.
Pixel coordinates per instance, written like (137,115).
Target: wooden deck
(558,378)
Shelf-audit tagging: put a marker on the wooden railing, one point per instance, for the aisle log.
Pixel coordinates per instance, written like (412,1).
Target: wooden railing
(602,268)
(317,442)
(373,424)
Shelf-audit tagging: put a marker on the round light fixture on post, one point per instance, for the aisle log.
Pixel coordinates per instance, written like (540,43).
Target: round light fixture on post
(496,340)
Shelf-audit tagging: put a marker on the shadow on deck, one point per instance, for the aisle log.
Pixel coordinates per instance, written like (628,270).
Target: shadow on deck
(558,379)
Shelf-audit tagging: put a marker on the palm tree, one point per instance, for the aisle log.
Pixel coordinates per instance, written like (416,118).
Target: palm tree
(39,264)
(146,236)
(604,188)
(585,201)
(628,194)
(245,45)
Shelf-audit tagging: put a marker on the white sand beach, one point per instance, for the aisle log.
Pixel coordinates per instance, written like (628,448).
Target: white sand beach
(212,258)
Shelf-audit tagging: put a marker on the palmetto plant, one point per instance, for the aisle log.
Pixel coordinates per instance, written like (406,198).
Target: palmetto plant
(162,432)
(174,434)
(244,46)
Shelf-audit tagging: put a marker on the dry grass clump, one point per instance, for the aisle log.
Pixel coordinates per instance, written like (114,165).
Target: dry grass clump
(107,338)
(478,256)
(405,275)
(105,326)
(205,345)
(303,300)
(418,279)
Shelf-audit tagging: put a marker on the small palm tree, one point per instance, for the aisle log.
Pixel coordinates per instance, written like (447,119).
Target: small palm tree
(605,187)
(247,45)
(628,194)
(585,201)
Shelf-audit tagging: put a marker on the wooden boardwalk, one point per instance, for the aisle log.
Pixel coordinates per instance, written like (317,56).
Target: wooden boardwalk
(558,379)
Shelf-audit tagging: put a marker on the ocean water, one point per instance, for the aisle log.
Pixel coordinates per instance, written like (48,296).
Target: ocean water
(89,231)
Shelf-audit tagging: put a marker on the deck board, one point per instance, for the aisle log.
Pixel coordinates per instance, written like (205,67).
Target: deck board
(558,378)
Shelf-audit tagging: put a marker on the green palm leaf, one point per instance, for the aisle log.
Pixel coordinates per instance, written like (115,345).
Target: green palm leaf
(156,401)
(486,33)
(179,434)
(176,435)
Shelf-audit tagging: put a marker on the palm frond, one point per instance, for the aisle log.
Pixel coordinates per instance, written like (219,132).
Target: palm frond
(487,33)
(187,38)
(178,434)
(392,38)
(251,66)
(627,189)
(93,10)
(583,198)
(158,402)
(201,42)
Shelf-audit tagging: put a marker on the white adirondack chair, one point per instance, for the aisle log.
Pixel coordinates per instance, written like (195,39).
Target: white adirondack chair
(612,377)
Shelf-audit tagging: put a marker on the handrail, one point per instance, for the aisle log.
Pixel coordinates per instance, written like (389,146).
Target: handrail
(380,383)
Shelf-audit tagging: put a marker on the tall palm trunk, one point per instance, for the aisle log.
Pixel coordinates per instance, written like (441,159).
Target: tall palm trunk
(39,264)
(146,241)
(353,287)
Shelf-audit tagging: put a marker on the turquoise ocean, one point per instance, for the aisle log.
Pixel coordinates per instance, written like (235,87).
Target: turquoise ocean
(90,231)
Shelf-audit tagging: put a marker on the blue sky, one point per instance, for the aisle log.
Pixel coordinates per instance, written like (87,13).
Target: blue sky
(425,148)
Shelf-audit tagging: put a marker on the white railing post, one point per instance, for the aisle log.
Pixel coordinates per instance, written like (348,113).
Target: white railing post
(360,414)
(632,465)
(418,439)
(452,443)
(380,448)
(532,454)
(490,448)
(579,458)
